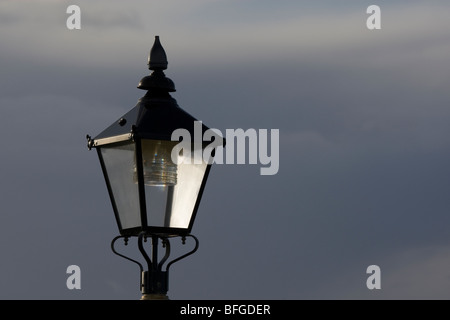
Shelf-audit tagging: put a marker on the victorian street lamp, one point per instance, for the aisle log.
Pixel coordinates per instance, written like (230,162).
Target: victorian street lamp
(155,189)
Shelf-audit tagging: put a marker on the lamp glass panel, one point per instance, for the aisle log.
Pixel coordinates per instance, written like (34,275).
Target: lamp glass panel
(119,160)
(186,192)
(172,191)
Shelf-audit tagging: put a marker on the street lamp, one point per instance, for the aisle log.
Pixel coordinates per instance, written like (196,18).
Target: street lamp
(154,188)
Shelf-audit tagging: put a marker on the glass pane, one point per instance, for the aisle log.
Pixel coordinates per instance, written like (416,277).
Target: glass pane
(170,201)
(190,177)
(119,162)
(159,203)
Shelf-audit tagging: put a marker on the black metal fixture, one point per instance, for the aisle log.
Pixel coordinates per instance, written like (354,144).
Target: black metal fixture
(152,194)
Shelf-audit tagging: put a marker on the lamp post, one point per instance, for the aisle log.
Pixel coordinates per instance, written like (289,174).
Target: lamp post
(155,193)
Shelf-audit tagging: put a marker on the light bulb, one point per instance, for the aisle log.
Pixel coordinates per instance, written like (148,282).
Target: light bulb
(159,169)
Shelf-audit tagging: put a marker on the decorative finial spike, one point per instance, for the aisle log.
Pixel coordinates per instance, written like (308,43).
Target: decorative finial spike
(157,60)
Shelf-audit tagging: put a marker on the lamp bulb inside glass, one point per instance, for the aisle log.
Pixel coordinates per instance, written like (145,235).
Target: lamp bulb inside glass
(159,169)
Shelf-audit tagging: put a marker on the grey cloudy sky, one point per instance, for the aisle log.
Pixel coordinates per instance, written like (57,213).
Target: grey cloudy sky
(363,116)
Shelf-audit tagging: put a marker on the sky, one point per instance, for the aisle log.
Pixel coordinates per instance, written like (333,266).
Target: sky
(364,145)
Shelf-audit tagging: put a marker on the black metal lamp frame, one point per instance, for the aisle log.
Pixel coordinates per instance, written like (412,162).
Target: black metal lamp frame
(154,280)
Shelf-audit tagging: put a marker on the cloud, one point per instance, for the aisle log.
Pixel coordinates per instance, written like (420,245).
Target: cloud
(419,272)
(409,32)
